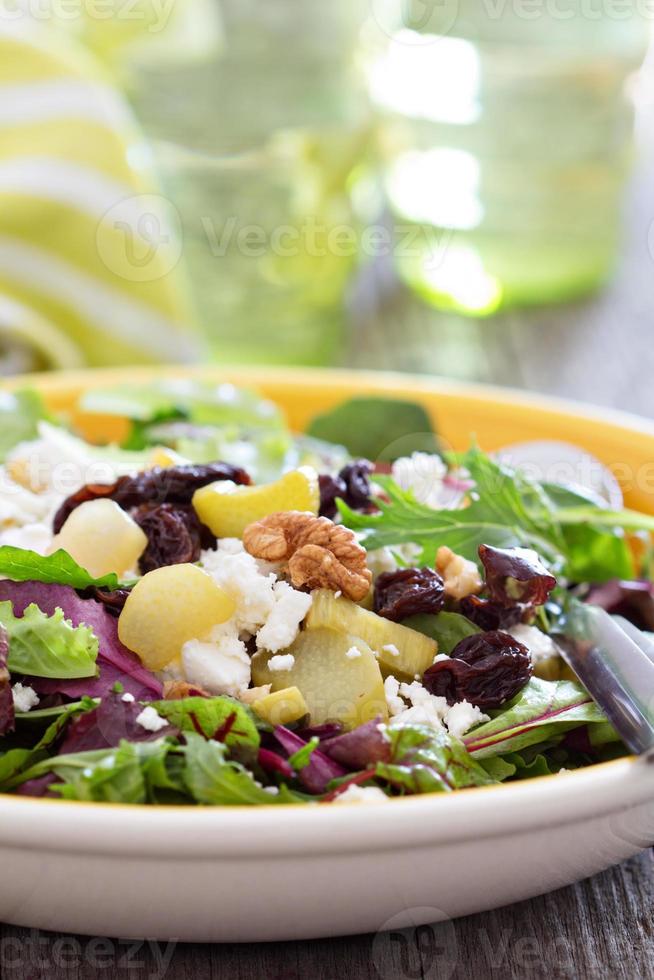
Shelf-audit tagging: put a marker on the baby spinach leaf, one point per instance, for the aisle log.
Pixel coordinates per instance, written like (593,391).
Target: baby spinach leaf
(48,646)
(447,628)
(22,565)
(380,429)
(542,709)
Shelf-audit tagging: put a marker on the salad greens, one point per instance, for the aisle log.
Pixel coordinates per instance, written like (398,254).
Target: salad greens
(86,718)
(48,646)
(506,509)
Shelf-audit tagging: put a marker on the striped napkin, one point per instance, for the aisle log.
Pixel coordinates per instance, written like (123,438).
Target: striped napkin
(90,251)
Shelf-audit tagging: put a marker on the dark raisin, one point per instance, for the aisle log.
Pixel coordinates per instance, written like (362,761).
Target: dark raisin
(112,601)
(407,592)
(488,614)
(352,485)
(331,487)
(174,484)
(486,670)
(516,576)
(174,535)
(356,477)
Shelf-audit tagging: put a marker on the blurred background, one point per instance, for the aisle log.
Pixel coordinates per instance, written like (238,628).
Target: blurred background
(459,187)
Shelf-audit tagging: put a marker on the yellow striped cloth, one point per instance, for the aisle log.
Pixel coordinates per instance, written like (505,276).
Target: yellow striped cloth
(89,250)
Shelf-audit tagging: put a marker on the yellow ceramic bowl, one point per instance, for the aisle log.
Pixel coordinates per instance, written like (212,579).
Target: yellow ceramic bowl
(268,873)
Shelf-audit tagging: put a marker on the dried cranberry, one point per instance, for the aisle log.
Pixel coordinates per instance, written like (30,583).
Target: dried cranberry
(488,614)
(407,592)
(486,670)
(174,535)
(174,484)
(352,485)
(516,575)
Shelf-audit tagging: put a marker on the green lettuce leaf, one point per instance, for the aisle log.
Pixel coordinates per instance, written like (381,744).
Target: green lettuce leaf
(379,429)
(16,761)
(48,646)
(581,540)
(20,411)
(22,565)
(447,628)
(211,778)
(232,721)
(424,760)
(541,710)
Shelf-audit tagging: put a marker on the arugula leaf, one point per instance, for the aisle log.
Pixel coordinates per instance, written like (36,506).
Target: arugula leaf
(221,717)
(48,646)
(17,760)
(447,628)
(506,510)
(301,759)
(380,429)
(541,710)
(22,565)
(20,411)
(213,779)
(424,760)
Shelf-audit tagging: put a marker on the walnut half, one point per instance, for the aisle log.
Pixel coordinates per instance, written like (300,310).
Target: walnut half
(319,553)
(461,577)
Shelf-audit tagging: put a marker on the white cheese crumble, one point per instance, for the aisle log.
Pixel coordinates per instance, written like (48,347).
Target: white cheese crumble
(425,475)
(539,644)
(337,595)
(392,649)
(219,665)
(353,653)
(266,608)
(281,662)
(393,700)
(127,697)
(462,717)
(361,794)
(25,698)
(151,720)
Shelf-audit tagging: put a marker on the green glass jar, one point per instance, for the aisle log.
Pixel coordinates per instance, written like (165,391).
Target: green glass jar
(506,142)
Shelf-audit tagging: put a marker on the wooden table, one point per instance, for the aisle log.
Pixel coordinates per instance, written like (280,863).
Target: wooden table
(600,351)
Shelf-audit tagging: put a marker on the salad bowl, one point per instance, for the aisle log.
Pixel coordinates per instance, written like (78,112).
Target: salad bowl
(245,874)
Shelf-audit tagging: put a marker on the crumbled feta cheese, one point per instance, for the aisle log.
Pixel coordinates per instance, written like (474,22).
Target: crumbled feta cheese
(273,790)
(392,649)
(439,657)
(361,794)
(426,709)
(25,698)
(539,644)
(253,694)
(393,700)
(127,697)
(381,560)
(462,717)
(283,623)
(266,608)
(151,720)
(353,653)
(33,537)
(425,475)
(219,665)
(281,662)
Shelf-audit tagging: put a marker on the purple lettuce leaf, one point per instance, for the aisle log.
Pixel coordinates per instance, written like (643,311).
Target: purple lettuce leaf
(7,715)
(361,748)
(40,786)
(320,770)
(115,661)
(105,726)
(274,764)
